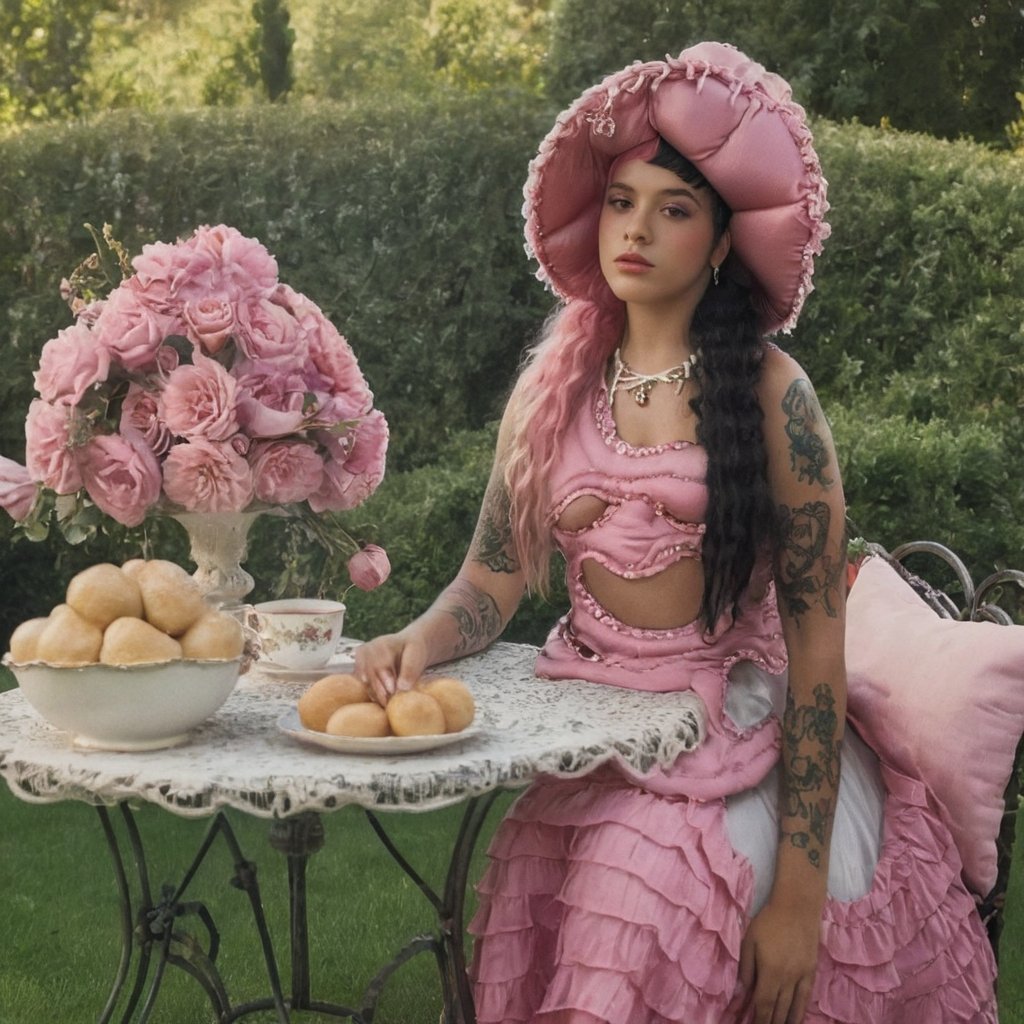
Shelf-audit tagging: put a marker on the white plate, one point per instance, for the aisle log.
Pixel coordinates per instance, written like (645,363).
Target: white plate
(289,724)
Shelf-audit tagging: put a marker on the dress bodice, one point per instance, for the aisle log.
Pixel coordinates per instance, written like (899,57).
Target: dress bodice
(634,510)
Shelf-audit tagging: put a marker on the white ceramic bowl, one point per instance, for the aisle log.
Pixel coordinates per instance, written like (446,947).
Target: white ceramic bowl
(135,707)
(299,632)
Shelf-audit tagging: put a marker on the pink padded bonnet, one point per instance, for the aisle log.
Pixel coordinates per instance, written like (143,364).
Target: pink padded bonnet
(736,123)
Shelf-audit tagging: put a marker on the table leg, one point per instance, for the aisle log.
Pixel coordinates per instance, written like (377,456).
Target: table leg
(152,928)
(449,945)
(298,838)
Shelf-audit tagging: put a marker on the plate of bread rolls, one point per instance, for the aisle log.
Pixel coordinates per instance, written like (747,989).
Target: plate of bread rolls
(338,713)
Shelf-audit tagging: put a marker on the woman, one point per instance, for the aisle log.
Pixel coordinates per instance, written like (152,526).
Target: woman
(682,466)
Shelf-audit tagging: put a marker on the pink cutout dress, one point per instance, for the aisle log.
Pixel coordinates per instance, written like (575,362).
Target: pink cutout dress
(624,898)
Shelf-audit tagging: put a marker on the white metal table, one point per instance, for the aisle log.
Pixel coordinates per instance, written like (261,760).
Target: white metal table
(241,759)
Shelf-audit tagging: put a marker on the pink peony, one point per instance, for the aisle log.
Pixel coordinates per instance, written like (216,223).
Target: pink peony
(203,476)
(244,267)
(18,491)
(368,449)
(199,400)
(369,567)
(356,466)
(140,411)
(209,322)
(203,380)
(49,451)
(259,420)
(344,407)
(267,331)
(122,476)
(162,270)
(129,330)
(271,398)
(70,364)
(285,472)
(330,352)
(277,385)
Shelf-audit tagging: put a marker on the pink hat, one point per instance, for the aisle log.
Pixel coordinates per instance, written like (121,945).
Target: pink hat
(736,123)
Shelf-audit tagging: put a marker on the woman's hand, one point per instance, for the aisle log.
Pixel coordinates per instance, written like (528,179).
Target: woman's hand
(390,663)
(778,960)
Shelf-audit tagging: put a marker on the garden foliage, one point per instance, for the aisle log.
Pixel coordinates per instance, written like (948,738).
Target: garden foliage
(402,222)
(947,67)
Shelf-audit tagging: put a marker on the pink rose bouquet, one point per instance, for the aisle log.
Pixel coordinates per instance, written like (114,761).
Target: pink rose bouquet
(200,383)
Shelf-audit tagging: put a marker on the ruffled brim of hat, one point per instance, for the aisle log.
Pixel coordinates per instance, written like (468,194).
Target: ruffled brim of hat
(621,906)
(728,116)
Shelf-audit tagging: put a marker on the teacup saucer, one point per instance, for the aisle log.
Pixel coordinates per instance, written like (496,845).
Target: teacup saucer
(341,661)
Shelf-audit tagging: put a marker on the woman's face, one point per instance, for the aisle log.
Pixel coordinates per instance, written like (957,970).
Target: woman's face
(656,236)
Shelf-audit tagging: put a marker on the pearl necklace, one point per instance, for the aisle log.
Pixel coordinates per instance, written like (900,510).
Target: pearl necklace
(625,378)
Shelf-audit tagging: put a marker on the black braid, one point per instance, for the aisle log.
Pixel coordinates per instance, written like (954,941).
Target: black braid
(730,427)
(740,513)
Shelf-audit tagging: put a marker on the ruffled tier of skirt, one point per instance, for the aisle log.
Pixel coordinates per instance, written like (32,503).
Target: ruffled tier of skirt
(606,903)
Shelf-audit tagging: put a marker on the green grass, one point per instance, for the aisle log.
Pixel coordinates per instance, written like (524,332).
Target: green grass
(60,939)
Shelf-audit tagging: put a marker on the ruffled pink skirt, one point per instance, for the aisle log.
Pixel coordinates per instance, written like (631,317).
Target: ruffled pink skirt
(621,900)
(615,904)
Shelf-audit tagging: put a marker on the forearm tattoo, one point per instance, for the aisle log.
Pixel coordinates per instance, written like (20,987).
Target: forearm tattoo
(492,542)
(810,772)
(476,616)
(808,453)
(808,574)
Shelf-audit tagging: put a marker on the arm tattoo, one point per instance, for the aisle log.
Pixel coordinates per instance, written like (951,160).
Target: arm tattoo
(492,542)
(810,772)
(476,616)
(808,454)
(806,574)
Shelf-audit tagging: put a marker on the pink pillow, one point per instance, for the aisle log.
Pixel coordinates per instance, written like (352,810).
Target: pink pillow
(940,700)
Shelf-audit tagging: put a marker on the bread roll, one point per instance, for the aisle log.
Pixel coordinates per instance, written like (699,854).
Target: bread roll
(456,701)
(133,567)
(129,641)
(328,694)
(25,640)
(365,719)
(215,635)
(414,713)
(69,639)
(171,598)
(103,593)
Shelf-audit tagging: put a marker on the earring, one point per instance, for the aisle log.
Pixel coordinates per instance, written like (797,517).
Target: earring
(714,275)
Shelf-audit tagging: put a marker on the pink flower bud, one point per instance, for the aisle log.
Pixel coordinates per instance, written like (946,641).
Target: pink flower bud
(369,567)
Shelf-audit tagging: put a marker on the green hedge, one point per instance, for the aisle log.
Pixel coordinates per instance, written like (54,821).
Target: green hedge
(403,222)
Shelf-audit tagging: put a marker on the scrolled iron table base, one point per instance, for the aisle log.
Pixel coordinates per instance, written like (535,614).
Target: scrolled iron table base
(156,932)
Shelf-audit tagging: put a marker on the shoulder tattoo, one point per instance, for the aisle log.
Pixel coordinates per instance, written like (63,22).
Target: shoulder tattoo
(808,454)
(807,574)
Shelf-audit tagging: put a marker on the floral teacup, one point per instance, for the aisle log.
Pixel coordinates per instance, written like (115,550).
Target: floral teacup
(299,633)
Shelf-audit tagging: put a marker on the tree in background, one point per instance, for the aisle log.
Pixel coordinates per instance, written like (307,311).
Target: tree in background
(274,39)
(44,50)
(947,67)
(481,43)
(361,48)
